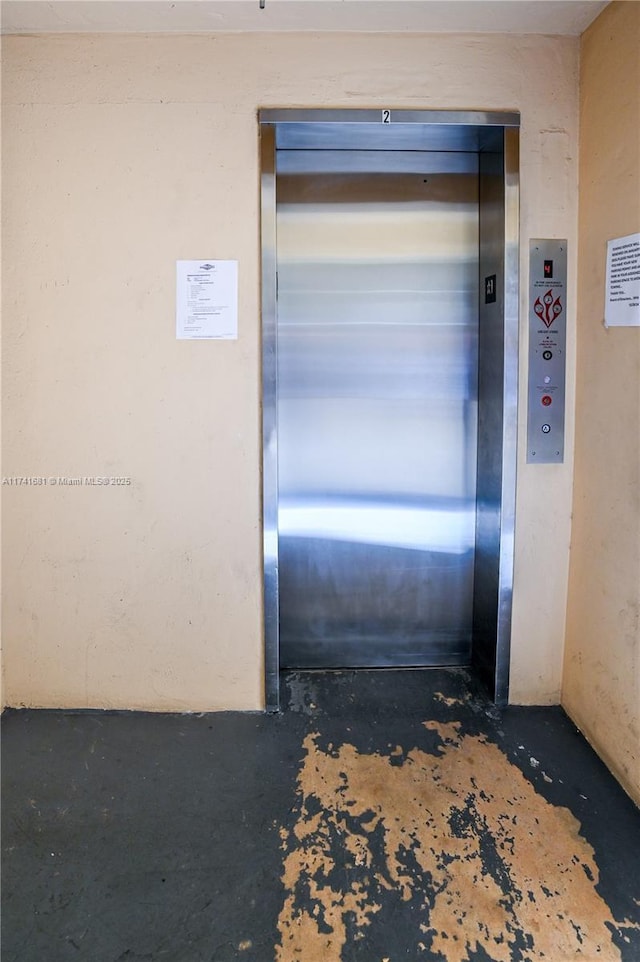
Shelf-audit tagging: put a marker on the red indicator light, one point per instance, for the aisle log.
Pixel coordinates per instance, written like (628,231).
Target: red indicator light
(546,400)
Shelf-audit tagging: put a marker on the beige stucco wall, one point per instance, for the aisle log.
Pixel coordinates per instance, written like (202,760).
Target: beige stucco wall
(601,688)
(121,155)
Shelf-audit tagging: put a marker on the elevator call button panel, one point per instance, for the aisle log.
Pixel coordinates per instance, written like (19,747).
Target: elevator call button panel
(547,350)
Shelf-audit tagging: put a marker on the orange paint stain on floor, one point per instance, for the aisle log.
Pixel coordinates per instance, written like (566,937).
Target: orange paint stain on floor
(460,836)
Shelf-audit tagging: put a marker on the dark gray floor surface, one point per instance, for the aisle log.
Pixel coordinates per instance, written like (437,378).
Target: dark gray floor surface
(133,836)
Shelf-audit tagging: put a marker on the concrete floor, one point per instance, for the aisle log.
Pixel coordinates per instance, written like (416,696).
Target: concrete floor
(383,816)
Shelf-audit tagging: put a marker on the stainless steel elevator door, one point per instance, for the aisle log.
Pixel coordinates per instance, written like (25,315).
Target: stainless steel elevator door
(377,332)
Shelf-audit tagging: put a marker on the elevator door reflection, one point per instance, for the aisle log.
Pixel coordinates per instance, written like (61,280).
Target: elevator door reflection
(377,417)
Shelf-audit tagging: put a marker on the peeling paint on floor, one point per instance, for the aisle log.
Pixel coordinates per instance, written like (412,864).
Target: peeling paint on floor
(484,866)
(381,816)
(450,701)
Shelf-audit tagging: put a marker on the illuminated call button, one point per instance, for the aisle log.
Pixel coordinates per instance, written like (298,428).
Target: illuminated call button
(546,428)
(546,400)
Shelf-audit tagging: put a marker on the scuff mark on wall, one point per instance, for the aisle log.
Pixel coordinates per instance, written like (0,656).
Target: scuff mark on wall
(449,844)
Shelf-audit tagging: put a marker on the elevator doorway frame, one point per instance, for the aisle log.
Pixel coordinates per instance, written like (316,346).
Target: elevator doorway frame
(494,136)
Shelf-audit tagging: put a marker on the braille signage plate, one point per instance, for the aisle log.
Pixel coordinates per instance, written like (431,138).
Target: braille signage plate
(547,350)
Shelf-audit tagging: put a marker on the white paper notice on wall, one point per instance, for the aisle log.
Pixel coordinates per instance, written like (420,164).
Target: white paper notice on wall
(207,300)
(622,304)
